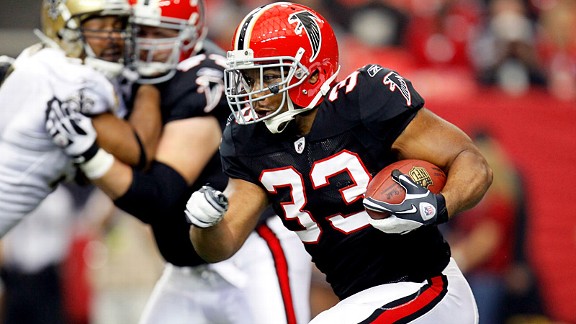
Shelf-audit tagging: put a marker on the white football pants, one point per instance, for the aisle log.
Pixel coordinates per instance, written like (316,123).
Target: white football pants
(266,281)
(445,299)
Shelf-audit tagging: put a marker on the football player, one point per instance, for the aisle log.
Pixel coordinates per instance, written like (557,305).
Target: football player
(308,145)
(268,280)
(77,65)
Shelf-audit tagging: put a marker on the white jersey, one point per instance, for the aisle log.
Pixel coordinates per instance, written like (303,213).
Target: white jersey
(43,237)
(30,164)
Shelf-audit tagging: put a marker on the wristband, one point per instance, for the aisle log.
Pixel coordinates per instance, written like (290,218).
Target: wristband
(97,166)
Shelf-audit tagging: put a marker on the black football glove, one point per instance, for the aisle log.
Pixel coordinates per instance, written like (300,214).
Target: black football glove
(419,207)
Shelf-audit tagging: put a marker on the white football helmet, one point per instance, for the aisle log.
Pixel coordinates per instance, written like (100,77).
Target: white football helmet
(62,27)
(186,18)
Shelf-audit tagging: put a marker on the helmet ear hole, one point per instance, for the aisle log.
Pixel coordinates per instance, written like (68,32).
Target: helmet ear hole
(314,77)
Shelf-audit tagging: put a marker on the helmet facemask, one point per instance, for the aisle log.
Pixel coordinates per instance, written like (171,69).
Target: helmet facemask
(156,56)
(242,95)
(155,60)
(288,35)
(62,27)
(120,56)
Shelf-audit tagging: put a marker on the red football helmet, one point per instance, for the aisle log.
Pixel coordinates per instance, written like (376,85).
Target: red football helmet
(288,37)
(157,54)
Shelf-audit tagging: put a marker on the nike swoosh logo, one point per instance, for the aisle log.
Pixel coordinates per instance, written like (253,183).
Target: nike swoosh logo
(374,205)
(408,211)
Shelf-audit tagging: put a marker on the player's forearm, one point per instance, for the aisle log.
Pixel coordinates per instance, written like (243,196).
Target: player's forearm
(117,137)
(146,119)
(469,177)
(246,202)
(135,141)
(116,181)
(213,244)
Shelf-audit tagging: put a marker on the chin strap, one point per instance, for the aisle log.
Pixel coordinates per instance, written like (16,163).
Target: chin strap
(110,70)
(323,90)
(277,124)
(45,39)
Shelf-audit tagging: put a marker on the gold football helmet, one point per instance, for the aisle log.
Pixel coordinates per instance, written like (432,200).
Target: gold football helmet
(61,24)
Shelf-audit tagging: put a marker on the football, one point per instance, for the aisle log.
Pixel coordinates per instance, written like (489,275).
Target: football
(382,187)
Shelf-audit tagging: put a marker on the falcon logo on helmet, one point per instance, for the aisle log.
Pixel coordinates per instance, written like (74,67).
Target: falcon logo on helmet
(307,21)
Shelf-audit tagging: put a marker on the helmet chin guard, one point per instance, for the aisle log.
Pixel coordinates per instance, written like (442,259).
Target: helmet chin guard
(109,69)
(277,124)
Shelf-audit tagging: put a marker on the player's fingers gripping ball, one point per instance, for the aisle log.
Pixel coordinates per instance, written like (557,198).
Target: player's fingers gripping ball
(405,195)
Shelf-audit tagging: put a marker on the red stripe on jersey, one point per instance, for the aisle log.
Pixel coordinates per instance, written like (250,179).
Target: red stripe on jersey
(281,265)
(411,307)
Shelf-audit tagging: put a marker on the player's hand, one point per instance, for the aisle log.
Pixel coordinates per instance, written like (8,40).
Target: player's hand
(206,207)
(419,207)
(71,130)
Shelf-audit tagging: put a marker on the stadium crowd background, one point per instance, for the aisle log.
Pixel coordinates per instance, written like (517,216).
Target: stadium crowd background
(506,66)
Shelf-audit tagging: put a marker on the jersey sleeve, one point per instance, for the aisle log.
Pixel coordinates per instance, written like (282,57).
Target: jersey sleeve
(387,101)
(194,92)
(231,164)
(388,94)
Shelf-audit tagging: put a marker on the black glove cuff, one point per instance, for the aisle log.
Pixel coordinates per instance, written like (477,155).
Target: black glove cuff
(442,216)
(91,152)
(88,155)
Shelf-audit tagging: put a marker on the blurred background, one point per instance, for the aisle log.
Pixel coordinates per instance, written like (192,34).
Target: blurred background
(498,69)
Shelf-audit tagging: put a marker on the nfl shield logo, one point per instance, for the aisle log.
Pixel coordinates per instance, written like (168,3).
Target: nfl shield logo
(427,211)
(299,145)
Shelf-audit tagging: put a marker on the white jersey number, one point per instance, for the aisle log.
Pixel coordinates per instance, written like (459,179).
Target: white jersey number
(320,173)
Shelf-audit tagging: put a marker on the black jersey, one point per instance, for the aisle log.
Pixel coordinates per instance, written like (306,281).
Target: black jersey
(316,182)
(195,90)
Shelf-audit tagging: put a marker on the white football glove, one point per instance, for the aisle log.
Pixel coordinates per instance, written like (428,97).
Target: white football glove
(206,207)
(74,133)
(70,129)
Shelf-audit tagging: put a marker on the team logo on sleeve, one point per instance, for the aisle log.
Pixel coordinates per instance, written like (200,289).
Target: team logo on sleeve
(210,83)
(307,21)
(394,81)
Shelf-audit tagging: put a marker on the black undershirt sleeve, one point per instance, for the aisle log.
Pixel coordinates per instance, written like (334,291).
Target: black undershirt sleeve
(154,192)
